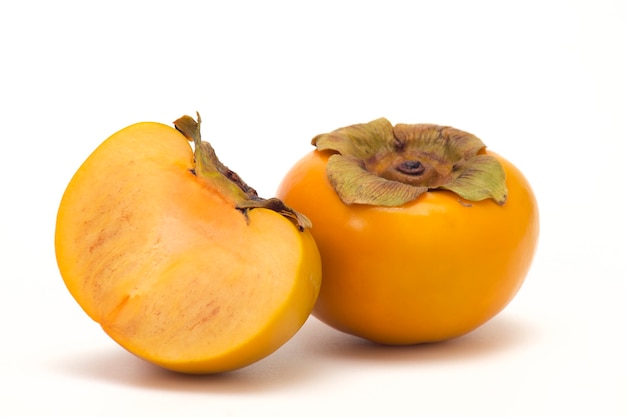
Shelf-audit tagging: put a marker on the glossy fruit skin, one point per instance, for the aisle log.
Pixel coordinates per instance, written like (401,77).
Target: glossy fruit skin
(170,269)
(430,270)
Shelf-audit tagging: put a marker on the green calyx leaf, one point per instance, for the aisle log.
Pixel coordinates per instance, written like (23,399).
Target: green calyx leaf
(379,164)
(356,185)
(210,170)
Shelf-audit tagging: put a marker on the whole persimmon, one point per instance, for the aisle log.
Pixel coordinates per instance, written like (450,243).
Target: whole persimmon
(177,258)
(424,234)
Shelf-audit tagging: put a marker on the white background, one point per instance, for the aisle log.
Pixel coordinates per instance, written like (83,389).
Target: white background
(541,82)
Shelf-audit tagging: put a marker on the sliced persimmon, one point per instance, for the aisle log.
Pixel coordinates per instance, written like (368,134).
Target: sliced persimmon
(180,261)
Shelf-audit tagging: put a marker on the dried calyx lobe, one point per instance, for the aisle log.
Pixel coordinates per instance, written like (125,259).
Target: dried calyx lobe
(209,168)
(379,164)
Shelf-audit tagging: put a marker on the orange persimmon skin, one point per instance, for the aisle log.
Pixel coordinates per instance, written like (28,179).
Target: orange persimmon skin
(430,270)
(169,268)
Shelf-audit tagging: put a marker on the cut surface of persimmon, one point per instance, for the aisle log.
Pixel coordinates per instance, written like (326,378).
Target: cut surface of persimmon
(179,260)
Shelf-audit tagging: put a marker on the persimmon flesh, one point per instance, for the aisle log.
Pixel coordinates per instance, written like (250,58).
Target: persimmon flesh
(168,265)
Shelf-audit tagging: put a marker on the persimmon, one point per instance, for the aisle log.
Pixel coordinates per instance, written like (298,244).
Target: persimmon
(424,234)
(177,258)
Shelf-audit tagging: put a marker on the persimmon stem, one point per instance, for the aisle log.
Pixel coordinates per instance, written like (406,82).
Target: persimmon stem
(411,168)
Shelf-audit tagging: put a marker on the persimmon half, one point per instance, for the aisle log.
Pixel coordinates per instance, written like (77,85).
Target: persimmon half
(424,234)
(177,258)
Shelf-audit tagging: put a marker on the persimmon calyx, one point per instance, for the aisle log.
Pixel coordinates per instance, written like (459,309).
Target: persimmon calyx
(211,170)
(376,163)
